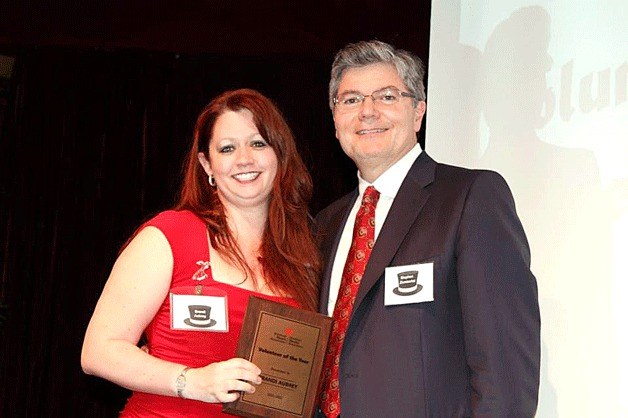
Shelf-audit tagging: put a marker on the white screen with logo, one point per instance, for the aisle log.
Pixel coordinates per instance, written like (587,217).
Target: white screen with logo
(538,92)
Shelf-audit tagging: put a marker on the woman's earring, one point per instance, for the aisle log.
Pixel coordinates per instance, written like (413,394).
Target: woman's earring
(212,181)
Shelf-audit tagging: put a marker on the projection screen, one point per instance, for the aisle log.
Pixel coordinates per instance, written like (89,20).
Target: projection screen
(537,91)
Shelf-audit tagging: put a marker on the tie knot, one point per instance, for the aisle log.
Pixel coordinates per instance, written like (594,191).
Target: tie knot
(371,196)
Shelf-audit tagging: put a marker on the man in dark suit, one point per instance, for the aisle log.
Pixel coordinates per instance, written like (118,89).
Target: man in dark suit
(438,313)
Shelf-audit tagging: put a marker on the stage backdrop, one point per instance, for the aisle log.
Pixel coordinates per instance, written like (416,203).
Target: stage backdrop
(536,90)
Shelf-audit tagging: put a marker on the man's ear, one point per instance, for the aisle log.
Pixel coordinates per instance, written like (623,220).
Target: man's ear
(419,112)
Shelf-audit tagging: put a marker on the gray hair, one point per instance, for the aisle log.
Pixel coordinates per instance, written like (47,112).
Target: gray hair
(409,67)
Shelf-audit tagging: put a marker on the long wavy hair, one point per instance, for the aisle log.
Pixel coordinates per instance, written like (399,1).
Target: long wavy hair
(289,256)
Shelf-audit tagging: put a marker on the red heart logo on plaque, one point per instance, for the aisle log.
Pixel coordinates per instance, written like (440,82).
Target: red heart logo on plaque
(289,331)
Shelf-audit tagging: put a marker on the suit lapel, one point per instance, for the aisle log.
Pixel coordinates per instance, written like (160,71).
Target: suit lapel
(407,205)
(332,226)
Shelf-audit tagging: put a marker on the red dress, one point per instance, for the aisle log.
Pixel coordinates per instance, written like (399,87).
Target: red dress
(187,236)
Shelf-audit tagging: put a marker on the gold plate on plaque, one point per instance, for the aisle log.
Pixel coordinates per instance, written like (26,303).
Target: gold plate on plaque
(289,345)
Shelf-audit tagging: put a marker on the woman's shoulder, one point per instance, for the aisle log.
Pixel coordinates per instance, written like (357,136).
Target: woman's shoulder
(186,232)
(177,222)
(174,217)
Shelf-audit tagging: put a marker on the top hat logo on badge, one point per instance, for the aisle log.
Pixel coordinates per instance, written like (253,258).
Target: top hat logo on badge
(408,284)
(199,316)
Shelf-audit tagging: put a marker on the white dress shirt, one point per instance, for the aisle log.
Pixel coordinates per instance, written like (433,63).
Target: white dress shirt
(387,184)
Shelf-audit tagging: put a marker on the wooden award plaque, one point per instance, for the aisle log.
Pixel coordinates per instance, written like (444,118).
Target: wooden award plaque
(289,345)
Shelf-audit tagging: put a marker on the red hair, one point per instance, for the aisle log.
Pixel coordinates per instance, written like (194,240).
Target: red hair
(289,256)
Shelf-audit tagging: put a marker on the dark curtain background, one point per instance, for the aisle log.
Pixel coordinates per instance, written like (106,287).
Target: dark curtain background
(92,142)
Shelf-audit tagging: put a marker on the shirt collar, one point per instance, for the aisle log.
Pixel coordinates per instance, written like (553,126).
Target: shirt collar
(389,182)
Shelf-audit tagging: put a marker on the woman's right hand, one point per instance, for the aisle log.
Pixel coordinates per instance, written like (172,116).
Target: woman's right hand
(222,381)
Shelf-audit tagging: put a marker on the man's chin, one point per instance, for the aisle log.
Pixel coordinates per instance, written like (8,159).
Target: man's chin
(369,154)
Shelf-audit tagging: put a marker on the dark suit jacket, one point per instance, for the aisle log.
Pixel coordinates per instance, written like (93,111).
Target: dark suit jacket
(475,349)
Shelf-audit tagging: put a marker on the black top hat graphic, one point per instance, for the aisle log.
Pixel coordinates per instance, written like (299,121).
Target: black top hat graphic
(407,283)
(199,316)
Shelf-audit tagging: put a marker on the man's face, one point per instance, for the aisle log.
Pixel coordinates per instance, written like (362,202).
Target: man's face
(376,135)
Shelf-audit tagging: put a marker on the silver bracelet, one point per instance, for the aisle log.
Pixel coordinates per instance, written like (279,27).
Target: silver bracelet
(181,382)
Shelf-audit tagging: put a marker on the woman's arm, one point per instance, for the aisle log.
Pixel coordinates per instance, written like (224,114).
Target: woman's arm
(138,284)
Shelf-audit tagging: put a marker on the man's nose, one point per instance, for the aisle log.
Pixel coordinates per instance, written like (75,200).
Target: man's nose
(368,107)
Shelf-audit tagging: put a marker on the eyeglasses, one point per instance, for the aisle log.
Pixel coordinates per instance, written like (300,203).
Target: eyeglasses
(386,96)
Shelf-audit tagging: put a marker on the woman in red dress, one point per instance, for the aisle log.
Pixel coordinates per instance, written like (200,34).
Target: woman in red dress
(240,228)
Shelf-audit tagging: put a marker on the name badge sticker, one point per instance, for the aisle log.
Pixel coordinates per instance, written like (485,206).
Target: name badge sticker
(413,283)
(198,313)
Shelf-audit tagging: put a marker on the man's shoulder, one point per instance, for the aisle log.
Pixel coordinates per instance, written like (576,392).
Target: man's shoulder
(453,172)
(337,206)
(471,184)
(451,180)
(426,170)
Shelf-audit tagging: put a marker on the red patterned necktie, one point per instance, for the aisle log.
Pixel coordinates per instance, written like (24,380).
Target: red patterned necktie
(359,253)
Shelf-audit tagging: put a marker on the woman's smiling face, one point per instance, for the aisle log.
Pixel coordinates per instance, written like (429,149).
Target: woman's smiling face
(243,163)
